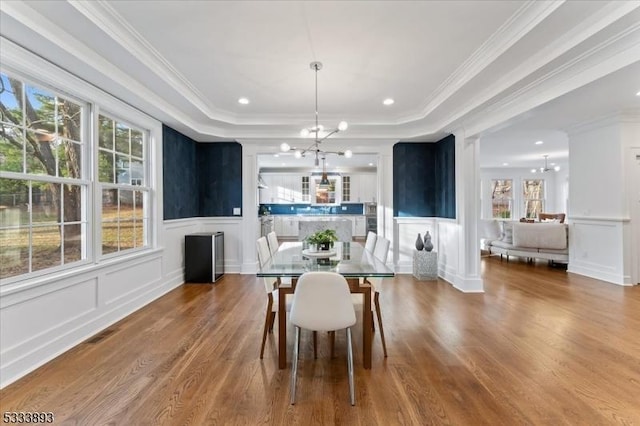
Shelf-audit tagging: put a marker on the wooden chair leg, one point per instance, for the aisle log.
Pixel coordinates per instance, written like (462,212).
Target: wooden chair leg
(332,341)
(315,344)
(273,320)
(267,320)
(379,315)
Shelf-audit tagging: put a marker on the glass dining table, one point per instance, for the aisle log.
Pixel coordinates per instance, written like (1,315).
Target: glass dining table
(349,259)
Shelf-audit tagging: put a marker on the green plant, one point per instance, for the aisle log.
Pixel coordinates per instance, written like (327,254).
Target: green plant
(326,237)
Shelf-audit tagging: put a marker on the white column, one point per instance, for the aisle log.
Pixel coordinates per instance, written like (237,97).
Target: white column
(467,213)
(250,231)
(385,197)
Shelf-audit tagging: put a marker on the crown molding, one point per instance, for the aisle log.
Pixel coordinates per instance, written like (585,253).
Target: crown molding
(611,55)
(613,119)
(115,26)
(57,35)
(588,28)
(521,23)
(579,71)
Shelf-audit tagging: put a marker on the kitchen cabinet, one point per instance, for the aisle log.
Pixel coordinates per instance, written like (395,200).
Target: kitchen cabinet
(286,226)
(360,226)
(368,188)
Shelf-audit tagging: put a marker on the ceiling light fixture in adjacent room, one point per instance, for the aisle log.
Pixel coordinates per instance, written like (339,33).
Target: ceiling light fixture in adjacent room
(539,142)
(546,166)
(318,131)
(388,101)
(243,101)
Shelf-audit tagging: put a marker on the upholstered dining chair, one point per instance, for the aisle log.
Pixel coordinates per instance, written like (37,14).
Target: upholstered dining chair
(322,302)
(272,239)
(272,293)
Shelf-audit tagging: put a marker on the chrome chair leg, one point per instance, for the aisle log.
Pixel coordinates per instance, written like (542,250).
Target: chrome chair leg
(352,390)
(294,371)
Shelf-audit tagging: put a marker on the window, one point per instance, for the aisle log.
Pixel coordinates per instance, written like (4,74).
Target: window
(346,188)
(43,191)
(305,188)
(533,196)
(501,198)
(47,215)
(121,174)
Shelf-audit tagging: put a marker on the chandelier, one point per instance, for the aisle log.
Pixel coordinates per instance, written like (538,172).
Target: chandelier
(319,135)
(546,168)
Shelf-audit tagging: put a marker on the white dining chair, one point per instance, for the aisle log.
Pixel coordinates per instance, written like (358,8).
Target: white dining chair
(381,253)
(322,302)
(272,293)
(381,250)
(272,239)
(370,243)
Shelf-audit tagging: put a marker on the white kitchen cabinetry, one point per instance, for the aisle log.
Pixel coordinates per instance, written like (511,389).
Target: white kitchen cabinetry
(368,188)
(360,225)
(286,226)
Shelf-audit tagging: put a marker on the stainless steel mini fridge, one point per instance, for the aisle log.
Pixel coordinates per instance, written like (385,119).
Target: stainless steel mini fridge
(203,257)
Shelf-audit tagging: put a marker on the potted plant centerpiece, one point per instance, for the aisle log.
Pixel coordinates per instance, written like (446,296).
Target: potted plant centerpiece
(323,240)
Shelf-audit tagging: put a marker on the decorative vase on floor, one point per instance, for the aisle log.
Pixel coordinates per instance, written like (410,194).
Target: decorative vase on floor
(419,245)
(428,246)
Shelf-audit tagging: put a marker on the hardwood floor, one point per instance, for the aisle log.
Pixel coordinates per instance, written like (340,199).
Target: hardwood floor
(540,346)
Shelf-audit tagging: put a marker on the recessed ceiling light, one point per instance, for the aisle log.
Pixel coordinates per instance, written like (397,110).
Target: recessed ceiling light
(388,101)
(243,101)
(539,142)
(533,170)
(276,155)
(284,164)
(638,94)
(505,164)
(553,164)
(371,164)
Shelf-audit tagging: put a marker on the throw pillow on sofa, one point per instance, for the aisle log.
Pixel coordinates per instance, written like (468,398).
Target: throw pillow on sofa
(507,232)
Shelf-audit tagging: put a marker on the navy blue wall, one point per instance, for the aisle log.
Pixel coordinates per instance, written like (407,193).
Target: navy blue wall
(445,197)
(200,179)
(219,178)
(180,181)
(424,179)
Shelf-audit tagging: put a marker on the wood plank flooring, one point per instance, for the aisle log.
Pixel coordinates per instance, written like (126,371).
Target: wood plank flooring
(540,347)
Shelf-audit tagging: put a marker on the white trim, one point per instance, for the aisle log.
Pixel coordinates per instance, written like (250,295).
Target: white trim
(530,14)
(599,219)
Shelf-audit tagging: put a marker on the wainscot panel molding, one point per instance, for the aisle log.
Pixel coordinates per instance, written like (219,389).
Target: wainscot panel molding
(596,249)
(232,228)
(38,323)
(405,234)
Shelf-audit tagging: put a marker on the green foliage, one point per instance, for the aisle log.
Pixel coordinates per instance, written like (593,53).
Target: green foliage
(322,237)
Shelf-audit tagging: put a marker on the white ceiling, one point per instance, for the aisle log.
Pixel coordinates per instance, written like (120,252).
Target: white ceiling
(512,72)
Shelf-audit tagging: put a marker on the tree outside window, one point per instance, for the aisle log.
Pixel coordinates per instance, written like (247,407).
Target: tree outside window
(501,198)
(42,190)
(533,196)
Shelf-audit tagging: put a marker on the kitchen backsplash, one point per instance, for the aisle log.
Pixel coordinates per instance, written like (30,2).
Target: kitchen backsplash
(306,209)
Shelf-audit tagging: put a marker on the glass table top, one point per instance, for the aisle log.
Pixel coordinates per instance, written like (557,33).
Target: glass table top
(348,259)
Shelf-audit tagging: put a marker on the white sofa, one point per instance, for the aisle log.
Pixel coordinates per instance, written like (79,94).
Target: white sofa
(539,240)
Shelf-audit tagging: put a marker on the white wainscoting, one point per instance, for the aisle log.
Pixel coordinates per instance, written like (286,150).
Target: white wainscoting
(444,236)
(596,249)
(406,232)
(41,321)
(233,234)
(44,317)
(448,249)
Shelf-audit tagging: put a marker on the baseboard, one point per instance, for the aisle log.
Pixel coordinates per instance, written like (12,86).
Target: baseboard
(618,279)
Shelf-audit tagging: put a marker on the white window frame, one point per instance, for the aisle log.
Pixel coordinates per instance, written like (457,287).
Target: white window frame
(99,186)
(511,200)
(543,200)
(36,70)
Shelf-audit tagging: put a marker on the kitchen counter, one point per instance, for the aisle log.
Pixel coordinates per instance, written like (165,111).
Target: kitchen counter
(342,226)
